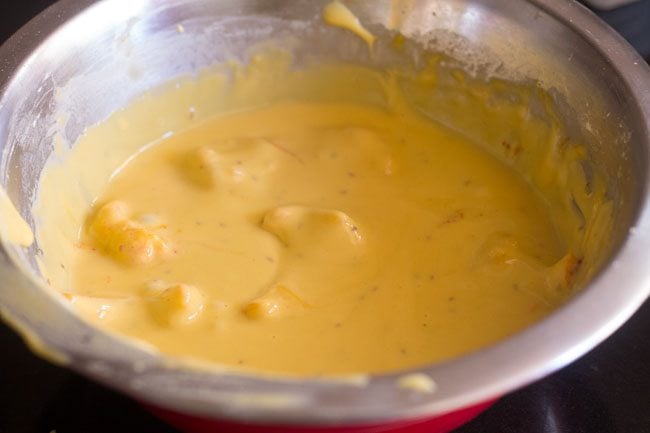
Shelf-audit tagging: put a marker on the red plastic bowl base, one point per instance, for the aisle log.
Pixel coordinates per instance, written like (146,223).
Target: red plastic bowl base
(439,424)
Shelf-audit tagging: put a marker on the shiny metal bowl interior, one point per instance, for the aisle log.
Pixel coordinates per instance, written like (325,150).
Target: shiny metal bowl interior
(89,59)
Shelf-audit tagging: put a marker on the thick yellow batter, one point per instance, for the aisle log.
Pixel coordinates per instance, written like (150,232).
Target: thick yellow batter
(318,238)
(312,221)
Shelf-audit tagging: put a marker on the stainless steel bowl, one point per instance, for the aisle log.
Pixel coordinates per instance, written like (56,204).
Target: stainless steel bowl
(88,59)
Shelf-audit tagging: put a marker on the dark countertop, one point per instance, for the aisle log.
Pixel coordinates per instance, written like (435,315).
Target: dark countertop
(607,391)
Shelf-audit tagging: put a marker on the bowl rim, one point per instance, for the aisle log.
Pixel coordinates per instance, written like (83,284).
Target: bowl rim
(612,297)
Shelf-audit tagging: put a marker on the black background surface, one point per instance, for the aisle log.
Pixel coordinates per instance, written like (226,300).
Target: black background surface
(607,391)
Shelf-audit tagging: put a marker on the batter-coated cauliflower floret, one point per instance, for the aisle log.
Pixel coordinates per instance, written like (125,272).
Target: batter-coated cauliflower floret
(174,305)
(505,250)
(311,229)
(232,161)
(561,275)
(110,310)
(277,302)
(202,167)
(353,147)
(124,239)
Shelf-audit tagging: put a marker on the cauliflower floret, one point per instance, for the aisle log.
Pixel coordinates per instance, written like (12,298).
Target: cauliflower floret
(124,239)
(202,167)
(234,161)
(561,275)
(307,228)
(174,305)
(506,251)
(276,302)
(108,309)
(354,147)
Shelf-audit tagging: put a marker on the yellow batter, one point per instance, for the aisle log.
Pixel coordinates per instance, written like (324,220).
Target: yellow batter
(312,222)
(315,238)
